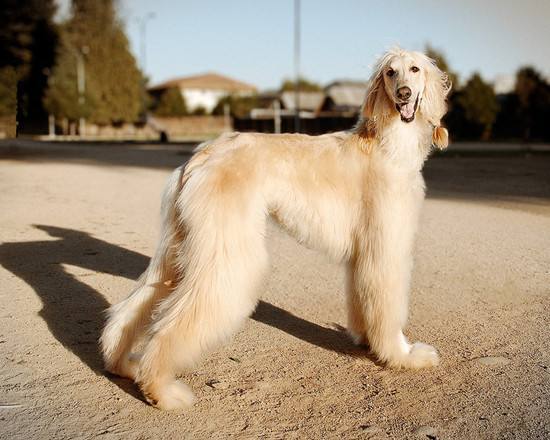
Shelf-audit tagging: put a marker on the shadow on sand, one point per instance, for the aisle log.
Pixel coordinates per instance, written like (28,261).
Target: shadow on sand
(74,312)
(334,339)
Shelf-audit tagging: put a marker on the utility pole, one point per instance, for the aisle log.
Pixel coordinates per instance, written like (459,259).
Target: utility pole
(276,116)
(51,117)
(297,65)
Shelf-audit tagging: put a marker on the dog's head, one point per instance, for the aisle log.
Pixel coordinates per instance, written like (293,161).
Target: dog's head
(407,85)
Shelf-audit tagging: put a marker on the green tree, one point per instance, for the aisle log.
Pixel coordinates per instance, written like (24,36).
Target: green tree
(114,84)
(441,62)
(199,111)
(475,109)
(171,103)
(304,84)
(63,98)
(28,38)
(533,96)
(8,101)
(8,91)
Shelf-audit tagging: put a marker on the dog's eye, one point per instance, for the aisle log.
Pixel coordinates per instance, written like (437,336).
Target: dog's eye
(390,72)
(414,69)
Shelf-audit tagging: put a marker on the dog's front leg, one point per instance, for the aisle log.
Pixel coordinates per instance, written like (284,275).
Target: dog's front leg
(355,309)
(378,288)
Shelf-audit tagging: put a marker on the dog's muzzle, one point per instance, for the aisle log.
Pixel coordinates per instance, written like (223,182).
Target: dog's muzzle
(407,110)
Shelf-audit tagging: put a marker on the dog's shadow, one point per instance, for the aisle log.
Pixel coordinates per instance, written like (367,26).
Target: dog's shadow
(74,312)
(334,339)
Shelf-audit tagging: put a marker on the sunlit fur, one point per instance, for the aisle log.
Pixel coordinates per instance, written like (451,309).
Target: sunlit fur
(355,195)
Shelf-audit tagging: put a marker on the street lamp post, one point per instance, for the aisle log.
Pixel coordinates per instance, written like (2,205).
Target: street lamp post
(143,37)
(81,86)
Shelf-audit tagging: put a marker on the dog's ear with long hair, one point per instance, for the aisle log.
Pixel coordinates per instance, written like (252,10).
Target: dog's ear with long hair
(376,104)
(433,104)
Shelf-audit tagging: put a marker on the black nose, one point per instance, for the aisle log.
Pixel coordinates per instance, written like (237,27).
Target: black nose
(403,93)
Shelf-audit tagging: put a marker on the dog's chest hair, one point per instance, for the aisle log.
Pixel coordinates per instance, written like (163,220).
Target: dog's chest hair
(405,145)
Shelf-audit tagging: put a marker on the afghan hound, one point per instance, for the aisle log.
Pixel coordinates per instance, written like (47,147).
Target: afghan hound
(355,195)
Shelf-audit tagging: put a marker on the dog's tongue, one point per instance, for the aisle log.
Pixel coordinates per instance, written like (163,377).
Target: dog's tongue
(407,110)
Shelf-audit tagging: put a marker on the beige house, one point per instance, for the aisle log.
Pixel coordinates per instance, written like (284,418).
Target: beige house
(204,90)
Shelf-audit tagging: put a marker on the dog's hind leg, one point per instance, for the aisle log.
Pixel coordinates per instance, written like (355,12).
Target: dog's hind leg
(128,319)
(223,259)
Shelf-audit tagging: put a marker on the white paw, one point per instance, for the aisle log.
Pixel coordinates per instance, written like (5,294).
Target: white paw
(418,355)
(422,356)
(126,367)
(170,396)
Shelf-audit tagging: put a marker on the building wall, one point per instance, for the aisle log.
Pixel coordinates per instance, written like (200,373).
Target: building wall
(195,98)
(188,126)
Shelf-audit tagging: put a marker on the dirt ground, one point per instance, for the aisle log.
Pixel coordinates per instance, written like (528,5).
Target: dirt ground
(79,222)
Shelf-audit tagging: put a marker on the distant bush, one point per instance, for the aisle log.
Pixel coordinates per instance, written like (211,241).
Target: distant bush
(305,85)
(171,103)
(199,111)
(239,106)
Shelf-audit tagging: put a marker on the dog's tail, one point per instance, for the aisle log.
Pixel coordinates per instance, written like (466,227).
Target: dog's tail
(127,319)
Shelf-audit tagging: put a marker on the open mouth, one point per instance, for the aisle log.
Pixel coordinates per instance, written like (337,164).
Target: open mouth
(407,110)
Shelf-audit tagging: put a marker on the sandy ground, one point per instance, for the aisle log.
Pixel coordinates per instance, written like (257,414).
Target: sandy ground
(78,224)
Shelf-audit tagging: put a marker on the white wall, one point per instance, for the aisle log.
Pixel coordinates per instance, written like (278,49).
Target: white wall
(206,98)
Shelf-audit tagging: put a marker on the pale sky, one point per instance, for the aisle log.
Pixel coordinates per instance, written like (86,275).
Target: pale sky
(253,40)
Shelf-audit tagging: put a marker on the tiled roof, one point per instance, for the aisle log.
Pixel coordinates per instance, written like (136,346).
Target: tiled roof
(347,93)
(213,81)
